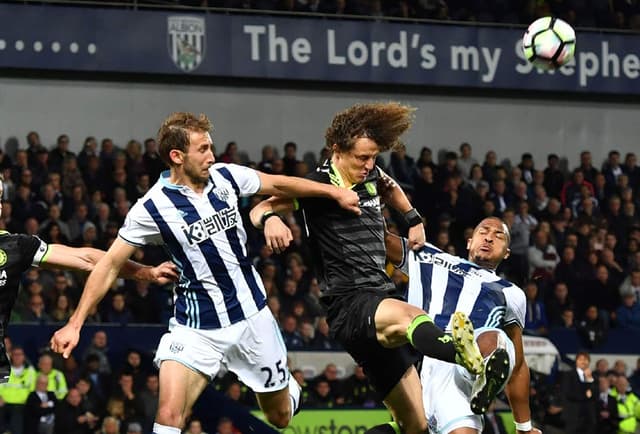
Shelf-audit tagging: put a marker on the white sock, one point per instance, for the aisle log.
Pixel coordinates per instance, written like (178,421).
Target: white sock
(294,394)
(163,429)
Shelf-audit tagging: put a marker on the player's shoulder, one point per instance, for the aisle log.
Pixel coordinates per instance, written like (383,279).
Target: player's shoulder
(321,174)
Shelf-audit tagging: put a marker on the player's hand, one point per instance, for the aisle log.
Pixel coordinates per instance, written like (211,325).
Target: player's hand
(348,199)
(164,273)
(385,186)
(65,340)
(277,234)
(416,238)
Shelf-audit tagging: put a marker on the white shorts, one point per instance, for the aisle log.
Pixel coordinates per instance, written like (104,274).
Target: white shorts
(446,390)
(253,349)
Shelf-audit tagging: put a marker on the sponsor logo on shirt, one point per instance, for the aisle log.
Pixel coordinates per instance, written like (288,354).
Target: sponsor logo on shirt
(3,278)
(3,257)
(205,228)
(439,261)
(371,203)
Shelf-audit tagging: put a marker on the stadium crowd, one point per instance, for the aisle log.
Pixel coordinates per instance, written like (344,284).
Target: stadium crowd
(575,251)
(611,14)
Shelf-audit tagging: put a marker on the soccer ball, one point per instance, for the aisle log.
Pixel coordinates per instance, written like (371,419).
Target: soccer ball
(549,43)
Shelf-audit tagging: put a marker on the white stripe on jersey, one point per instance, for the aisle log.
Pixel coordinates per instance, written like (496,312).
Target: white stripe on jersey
(442,284)
(204,234)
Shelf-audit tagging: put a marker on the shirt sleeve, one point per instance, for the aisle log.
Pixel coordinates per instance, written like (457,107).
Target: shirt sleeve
(516,306)
(245,180)
(139,227)
(33,250)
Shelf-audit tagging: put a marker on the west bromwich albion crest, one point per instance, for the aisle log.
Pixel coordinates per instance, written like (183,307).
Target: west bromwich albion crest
(186,41)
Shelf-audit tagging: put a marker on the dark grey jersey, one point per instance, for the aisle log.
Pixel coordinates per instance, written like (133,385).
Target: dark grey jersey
(348,250)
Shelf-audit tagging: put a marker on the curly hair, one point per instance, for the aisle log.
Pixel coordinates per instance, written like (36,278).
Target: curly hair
(174,132)
(383,123)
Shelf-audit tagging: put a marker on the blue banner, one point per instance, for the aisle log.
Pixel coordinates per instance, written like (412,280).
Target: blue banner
(160,42)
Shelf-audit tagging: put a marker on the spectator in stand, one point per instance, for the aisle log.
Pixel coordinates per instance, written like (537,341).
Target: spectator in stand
(402,167)
(110,425)
(571,189)
(570,271)
(290,334)
(628,406)
(580,392)
(536,318)
(91,402)
(33,146)
(593,328)
(500,197)
(89,149)
(57,382)
(321,396)
(72,418)
(15,392)
(289,159)
(358,390)
(489,167)
(62,308)
(466,161)
(108,151)
(447,169)
(601,291)
(558,304)
(99,347)
(628,313)
(149,396)
(634,379)
(553,176)
(631,169)
(543,259)
(153,164)
(125,392)
(133,366)
(425,193)
(586,165)
(39,413)
(630,285)
(36,310)
(321,340)
(58,154)
(474,177)
(135,163)
(426,159)
(611,170)
(225,426)
(606,408)
(118,311)
(266,163)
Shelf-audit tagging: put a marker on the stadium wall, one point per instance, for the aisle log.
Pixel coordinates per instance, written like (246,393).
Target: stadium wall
(255,116)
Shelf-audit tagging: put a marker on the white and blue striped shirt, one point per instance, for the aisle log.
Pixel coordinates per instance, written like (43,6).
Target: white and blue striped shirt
(442,284)
(205,238)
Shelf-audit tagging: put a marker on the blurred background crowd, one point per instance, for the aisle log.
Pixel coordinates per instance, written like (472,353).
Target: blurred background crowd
(610,14)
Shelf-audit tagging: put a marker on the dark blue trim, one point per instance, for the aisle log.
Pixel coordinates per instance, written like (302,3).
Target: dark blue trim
(174,247)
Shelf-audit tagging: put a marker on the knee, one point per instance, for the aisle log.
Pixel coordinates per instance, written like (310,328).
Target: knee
(279,417)
(170,416)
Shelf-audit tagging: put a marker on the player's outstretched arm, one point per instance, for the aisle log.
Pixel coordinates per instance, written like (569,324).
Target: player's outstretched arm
(85,258)
(100,280)
(395,197)
(517,389)
(395,248)
(292,187)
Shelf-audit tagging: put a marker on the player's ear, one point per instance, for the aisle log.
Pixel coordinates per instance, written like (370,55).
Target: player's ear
(176,156)
(468,243)
(506,254)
